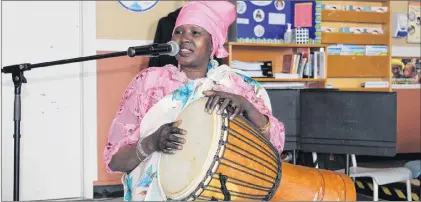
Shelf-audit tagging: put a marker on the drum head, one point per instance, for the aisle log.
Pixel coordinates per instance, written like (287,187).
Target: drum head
(181,173)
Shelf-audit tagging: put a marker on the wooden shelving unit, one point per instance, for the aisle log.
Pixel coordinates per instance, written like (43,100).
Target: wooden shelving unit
(356,39)
(347,72)
(355,16)
(366,89)
(277,45)
(252,52)
(358,66)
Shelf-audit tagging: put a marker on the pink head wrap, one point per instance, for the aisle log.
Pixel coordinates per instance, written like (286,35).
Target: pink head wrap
(213,16)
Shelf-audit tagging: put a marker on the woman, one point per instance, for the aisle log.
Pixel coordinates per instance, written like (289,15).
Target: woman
(137,138)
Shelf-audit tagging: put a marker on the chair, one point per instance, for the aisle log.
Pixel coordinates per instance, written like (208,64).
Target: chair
(380,176)
(415,168)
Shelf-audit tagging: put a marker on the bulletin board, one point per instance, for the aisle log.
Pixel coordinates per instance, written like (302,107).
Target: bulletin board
(266,21)
(414,22)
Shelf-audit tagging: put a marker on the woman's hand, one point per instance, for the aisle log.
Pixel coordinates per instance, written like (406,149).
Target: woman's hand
(235,104)
(165,139)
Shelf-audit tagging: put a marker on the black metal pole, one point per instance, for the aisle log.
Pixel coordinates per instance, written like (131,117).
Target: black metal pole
(18,78)
(347,164)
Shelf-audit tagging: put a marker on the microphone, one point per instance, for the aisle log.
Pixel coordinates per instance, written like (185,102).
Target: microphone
(171,48)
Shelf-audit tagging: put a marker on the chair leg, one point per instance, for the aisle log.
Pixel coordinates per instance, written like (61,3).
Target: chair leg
(419,178)
(375,191)
(408,190)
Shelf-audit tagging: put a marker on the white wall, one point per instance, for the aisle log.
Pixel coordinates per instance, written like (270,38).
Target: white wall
(58,144)
(89,42)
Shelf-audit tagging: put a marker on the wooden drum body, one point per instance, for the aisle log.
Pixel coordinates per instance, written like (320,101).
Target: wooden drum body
(311,184)
(230,160)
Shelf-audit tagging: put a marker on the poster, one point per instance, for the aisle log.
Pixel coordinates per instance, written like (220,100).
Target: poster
(267,21)
(406,72)
(138,6)
(414,22)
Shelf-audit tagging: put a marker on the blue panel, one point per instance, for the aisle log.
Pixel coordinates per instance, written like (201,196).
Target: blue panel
(273,33)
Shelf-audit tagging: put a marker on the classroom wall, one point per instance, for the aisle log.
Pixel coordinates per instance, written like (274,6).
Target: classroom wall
(56,154)
(116,30)
(409,130)
(407,99)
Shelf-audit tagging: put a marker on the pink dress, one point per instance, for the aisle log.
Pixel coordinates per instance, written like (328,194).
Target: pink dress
(152,84)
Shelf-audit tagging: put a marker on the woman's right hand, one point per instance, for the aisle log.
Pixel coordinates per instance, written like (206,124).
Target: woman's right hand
(166,139)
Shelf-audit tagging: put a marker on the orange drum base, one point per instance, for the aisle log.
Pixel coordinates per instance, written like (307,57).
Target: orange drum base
(308,184)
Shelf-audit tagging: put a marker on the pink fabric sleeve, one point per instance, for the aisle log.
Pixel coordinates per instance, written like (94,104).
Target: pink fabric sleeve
(124,128)
(277,129)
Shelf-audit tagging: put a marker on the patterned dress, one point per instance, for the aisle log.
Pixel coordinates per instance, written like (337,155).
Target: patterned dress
(157,96)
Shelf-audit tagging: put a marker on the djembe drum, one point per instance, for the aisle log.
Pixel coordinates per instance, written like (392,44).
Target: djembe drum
(226,160)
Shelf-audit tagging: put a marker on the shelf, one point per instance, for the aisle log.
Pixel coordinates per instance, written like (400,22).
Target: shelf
(356,39)
(355,16)
(341,66)
(366,89)
(288,80)
(279,45)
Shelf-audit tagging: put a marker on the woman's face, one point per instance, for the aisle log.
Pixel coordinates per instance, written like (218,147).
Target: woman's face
(195,45)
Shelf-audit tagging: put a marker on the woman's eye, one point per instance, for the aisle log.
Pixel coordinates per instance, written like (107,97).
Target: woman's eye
(177,32)
(196,33)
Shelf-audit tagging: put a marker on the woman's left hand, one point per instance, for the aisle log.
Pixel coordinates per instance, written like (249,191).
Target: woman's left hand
(235,104)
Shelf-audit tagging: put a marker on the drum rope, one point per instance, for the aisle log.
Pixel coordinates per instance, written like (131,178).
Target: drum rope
(246,172)
(239,195)
(256,134)
(223,181)
(247,184)
(275,156)
(241,149)
(235,133)
(251,169)
(236,192)
(247,157)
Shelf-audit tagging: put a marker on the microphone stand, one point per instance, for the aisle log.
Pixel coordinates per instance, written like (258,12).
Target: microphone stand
(18,78)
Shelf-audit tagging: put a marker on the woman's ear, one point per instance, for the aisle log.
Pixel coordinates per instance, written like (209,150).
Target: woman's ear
(210,44)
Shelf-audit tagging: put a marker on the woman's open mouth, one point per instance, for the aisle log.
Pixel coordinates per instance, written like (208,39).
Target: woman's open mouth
(185,52)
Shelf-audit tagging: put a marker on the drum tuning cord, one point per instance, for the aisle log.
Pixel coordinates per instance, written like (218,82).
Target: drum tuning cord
(223,180)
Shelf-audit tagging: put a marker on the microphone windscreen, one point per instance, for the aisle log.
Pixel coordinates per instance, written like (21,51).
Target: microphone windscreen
(175,48)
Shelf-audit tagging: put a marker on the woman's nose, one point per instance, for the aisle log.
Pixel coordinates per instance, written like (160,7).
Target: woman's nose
(185,37)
